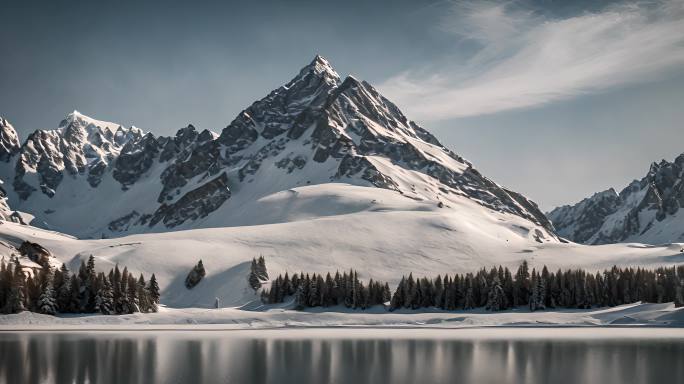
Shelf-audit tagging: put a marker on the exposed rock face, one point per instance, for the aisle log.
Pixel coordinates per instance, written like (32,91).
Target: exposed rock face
(317,128)
(195,204)
(5,212)
(580,222)
(135,159)
(123,223)
(647,210)
(199,156)
(9,140)
(35,252)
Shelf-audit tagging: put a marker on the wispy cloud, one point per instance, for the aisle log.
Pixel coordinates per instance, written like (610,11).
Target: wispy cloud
(522,59)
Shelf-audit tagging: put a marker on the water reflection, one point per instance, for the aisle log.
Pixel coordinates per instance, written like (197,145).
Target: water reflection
(229,357)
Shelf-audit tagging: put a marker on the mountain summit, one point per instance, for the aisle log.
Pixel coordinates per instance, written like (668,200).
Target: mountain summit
(316,130)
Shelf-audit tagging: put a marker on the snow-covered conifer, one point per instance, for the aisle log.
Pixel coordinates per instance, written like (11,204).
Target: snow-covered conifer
(195,275)
(47,303)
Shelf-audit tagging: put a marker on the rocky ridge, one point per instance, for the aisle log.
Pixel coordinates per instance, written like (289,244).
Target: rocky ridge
(647,210)
(317,128)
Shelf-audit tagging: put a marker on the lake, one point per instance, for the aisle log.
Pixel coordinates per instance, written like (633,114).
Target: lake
(346,355)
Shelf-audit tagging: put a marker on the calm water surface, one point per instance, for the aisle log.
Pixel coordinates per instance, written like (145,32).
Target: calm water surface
(345,356)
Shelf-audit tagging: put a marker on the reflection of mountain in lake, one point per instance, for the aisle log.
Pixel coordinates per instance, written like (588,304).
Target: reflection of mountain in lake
(325,356)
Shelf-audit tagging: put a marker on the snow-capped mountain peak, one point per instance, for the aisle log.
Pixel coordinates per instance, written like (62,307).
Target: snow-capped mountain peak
(321,67)
(80,145)
(78,120)
(314,130)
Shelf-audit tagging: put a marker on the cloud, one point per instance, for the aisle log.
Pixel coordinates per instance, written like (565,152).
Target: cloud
(520,59)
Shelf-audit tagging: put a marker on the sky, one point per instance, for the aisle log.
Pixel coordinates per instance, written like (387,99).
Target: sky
(554,99)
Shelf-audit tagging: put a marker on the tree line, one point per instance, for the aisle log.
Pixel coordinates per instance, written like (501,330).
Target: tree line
(495,289)
(51,291)
(317,291)
(499,289)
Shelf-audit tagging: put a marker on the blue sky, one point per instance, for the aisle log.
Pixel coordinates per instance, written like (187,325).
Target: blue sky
(555,99)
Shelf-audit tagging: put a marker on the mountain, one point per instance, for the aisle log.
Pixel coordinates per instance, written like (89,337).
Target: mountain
(322,174)
(646,211)
(92,178)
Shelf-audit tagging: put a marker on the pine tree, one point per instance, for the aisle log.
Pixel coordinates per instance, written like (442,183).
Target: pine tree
(132,295)
(327,292)
(300,297)
(522,285)
(313,298)
(398,299)
(105,298)
(272,296)
(261,269)
(541,292)
(253,278)
(426,292)
(144,304)
(386,294)
(469,299)
(287,285)
(121,303)
(319,299)
(153,289)
(33,291)
(63,290)
(294,284)
(507,285)
(588,292)
(438,298)
(347,289)
(5,278)
(16,301)
(337,289)
(265,297)
(553,291)
(537,296)
(679,289)
(497,298)
(546,279)
(48,302)
(448,296)
(74,305)
(5,282)
(357,292)
(89,286)
(84,292)
(411,293)
(364,296)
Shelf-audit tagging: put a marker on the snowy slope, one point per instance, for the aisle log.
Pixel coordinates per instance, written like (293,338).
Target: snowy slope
(96,179)
(646,211)
(375,231)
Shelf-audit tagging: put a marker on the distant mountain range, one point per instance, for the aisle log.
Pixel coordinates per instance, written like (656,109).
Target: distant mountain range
(646,211)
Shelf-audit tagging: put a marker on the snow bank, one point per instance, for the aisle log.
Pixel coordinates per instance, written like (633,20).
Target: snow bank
(648,315)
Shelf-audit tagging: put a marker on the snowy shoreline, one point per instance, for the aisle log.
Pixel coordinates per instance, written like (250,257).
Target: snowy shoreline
(632,315)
